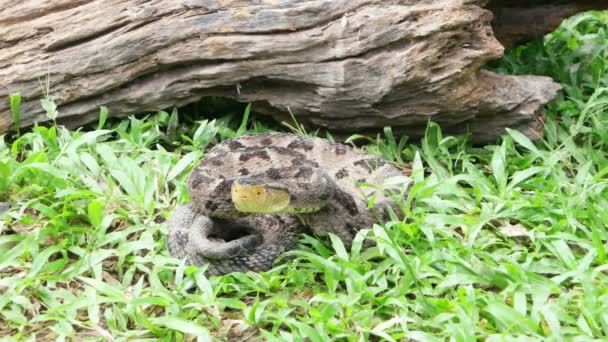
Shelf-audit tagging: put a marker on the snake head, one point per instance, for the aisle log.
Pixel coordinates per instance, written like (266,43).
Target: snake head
(257,196)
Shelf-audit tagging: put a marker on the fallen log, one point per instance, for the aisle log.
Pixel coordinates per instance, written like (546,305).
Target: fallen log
(519,21)
(345,65)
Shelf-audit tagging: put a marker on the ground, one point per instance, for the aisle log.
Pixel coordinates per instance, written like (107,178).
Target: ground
(503,242)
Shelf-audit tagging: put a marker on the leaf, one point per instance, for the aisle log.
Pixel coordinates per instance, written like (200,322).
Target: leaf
(231,303)
(42,259)
(95,213)
(417,168)
(311,333)
(524,141)
(563,252)
(355,137)
(173,123)
(204,134)
(93,308)
(182,164)
(15,105)
(103,115)
(243,127)
(88,138)
(47,168)
(338,246)
(509,320)
(522,175)
(107,154)
(184,326)
(552,317)
(126,183)
(150,300)
(8,257)
(254,313)
(422,336)
(357,244)
(112,291)
(393,180)
(50,108)
(499,168)
(90,162)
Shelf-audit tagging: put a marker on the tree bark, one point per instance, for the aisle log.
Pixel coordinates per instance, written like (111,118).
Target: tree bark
(345,65)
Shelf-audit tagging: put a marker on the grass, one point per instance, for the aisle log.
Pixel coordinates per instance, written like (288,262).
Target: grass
(83,256)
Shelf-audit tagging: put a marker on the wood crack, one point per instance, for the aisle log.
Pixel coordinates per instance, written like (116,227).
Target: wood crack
(38,12)
(73,41)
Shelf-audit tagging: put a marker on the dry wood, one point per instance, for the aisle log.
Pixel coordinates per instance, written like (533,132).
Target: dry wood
(347,65)
(518,21)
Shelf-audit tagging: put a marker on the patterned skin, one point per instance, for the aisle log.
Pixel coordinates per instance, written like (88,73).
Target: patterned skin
(252,195)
